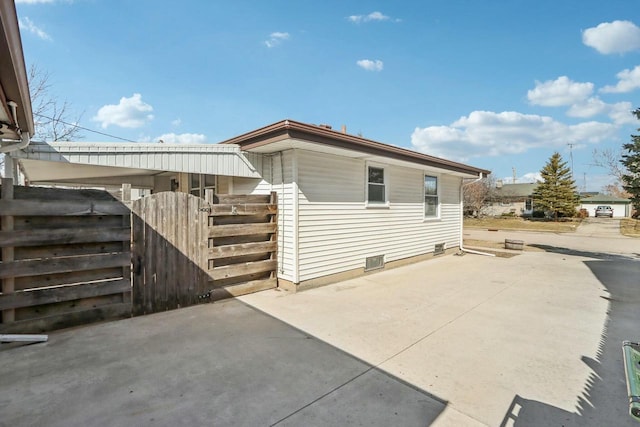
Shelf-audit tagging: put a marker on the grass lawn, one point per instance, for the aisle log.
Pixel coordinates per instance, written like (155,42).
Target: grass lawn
(630,227)
(520,224)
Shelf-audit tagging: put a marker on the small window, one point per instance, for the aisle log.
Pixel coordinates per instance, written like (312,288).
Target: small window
(375,185)
(430,196)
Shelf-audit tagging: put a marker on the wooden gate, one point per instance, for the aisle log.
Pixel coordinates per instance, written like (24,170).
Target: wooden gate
(186,250)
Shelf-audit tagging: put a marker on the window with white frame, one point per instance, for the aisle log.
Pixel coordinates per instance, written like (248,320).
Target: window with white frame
(376,191)
(431,200)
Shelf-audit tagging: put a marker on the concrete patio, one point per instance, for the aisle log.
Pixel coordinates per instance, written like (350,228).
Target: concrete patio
(529,340)
(455,341)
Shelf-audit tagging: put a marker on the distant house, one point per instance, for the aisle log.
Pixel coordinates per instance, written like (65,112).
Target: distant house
(621,207)
(517,199)
(346,204)
(511,199)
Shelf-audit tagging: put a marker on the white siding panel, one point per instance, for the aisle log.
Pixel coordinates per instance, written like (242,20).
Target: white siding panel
(337,231)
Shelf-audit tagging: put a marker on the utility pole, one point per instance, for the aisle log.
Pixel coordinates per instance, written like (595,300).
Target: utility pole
(571,144)
(513,169)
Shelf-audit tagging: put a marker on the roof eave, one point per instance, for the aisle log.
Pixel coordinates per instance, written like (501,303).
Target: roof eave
(13,72)
(296,130)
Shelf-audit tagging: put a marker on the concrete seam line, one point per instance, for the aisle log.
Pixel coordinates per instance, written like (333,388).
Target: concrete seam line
(323,395)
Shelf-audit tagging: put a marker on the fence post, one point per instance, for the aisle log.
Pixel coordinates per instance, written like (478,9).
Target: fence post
(127,297)
(209,195)
(8,284)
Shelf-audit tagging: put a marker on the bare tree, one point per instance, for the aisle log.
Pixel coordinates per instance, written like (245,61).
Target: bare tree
(615,190)
(51,117)
(609,160)
(476,195)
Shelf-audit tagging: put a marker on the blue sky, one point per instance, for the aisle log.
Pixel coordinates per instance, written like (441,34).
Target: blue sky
(498,84)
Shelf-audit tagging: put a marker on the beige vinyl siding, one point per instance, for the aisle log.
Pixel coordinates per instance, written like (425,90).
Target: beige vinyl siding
(336,229)
(250,186)
(272,181)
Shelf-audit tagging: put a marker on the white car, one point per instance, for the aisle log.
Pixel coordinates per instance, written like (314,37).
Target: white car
(604,211)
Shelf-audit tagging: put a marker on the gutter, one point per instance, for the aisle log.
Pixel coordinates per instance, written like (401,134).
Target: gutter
(24,141)
(462,248)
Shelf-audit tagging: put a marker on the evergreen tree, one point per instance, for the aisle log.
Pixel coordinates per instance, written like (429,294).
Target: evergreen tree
(631,160)
(557,192)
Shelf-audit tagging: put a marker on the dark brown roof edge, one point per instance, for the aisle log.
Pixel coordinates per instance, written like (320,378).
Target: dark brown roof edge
(291,129)
(13,72)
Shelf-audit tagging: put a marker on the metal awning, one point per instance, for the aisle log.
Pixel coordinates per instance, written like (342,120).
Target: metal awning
(71,162)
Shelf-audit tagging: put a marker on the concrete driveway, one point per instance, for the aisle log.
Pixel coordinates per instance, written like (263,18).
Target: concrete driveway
(456,341)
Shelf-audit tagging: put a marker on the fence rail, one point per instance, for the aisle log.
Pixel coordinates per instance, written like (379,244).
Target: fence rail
(65,258)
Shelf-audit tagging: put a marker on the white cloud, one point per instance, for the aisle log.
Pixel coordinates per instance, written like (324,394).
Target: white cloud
(589,108)
(628,80)
(527,178)
(373,16)
(558,92)
(177,122)
(486,133)
(613,37)
(33,1)
(530,177)
(276,38)
(128,113)
(27,24)
(369,65)
(619,112)
(182,138)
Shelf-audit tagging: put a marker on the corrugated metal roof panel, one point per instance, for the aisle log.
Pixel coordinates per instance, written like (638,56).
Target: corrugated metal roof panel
(208,159)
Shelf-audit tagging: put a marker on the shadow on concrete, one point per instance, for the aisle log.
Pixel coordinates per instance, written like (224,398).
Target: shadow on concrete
(586,254)
(219,364)
(604,400)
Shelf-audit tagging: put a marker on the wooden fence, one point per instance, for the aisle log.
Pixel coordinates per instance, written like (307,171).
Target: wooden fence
(187,250)
(65,258)
(242,246)
(67,254)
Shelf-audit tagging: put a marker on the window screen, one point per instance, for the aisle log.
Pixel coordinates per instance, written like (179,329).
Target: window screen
(375,181)
(430,196)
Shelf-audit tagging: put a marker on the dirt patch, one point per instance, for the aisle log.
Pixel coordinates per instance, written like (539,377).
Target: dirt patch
(522,224)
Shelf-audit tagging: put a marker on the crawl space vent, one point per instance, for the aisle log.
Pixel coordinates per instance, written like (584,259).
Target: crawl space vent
(374,262)
(439,249)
